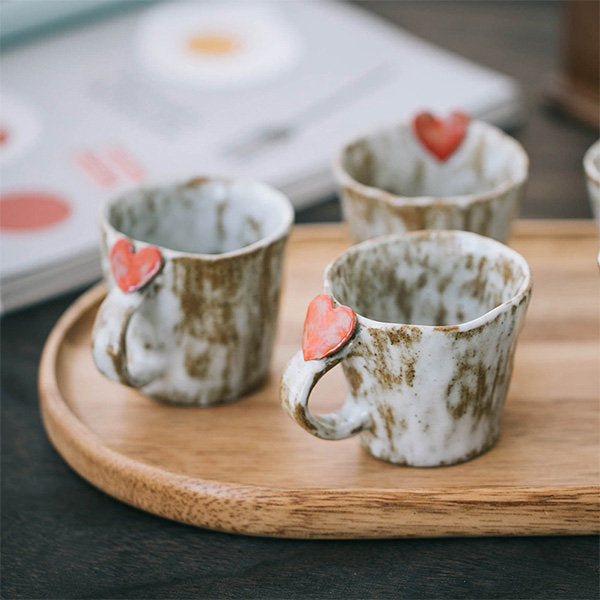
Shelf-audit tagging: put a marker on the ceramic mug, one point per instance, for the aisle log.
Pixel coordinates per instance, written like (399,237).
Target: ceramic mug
(425,326)
(193,272)
(391,182)
(591,165)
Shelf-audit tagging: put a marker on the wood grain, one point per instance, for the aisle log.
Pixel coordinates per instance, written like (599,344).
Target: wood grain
(247,468)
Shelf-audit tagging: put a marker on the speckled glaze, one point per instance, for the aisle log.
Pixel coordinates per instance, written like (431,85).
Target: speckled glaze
(429,365)
(591,165)
(389,183)
(201,332)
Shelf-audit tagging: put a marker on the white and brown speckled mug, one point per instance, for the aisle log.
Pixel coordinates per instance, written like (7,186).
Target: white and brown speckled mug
(390,184)
(193,272)
(429,361)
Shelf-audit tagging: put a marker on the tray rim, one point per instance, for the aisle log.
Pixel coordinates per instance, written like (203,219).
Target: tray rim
(85,452)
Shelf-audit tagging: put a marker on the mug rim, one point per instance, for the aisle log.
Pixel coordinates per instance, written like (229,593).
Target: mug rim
(278,197)
(515,300)
(346,180)
(591,170)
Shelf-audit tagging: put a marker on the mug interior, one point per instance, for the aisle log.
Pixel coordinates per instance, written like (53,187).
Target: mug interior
(430,278)
(202,216)
(393,160)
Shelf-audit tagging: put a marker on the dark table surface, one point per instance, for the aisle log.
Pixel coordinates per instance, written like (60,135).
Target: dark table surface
(62,538)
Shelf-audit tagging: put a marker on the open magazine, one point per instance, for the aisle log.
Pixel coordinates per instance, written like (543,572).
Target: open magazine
(266,91)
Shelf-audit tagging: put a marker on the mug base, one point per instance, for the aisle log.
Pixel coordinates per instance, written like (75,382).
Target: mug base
(182,401)
(402,462)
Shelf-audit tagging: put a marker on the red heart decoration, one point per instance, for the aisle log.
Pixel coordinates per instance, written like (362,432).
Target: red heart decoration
(133,271)
(326,329)
(441,137)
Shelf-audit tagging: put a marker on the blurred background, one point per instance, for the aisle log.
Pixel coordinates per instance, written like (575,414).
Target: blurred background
(101,95)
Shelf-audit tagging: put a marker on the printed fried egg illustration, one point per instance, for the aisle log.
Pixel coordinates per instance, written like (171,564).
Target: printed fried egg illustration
(216,44)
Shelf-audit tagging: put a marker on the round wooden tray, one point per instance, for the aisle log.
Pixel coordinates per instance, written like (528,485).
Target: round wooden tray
(247,468)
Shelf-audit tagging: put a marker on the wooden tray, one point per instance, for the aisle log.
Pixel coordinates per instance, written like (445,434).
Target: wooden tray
(247,468)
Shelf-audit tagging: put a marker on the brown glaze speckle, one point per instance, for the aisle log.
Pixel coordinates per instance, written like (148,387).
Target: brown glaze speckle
(300,416)
(354,378)
(389,422)
(211,295)
(409,371)
(197,365)
(220,226)
(196,182)
(254,226)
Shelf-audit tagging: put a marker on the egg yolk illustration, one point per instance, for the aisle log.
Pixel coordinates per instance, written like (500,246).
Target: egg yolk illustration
(213,44)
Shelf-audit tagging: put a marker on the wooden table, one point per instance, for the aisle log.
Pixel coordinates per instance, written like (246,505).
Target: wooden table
(62,538)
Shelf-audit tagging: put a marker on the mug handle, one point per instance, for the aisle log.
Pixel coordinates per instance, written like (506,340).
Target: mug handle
(109,346)
(298,381)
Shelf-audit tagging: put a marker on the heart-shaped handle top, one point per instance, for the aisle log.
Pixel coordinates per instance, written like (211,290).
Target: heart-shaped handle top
(131,270)
(326,329)
(441,137)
